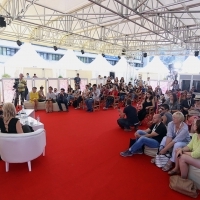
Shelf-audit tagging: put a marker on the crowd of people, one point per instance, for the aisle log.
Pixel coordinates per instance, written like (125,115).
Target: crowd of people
(169,127)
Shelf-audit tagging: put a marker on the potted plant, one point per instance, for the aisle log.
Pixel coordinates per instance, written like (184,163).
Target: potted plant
(60,76)
(6,76)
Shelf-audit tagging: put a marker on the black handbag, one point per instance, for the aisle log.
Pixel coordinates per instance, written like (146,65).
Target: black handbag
(132,141)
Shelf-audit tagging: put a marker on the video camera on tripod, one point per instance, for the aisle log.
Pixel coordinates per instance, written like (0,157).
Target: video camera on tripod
(16,83)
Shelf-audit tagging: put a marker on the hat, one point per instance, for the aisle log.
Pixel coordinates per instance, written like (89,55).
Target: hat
(197,97)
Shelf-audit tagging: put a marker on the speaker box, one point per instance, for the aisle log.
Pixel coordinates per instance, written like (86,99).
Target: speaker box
(112,74)
(196,53)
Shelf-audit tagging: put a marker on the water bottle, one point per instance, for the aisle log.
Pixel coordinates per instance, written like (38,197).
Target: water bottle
(38,119)
(25,119)
(22,109)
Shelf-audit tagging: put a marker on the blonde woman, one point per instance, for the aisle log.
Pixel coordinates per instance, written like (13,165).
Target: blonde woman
(10,124)
(177,137)
(188,155)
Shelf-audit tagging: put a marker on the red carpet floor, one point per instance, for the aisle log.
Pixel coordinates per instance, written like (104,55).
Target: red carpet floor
(82,162)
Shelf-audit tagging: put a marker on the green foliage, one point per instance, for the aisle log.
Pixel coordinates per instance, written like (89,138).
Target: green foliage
(6,76)
(60,76)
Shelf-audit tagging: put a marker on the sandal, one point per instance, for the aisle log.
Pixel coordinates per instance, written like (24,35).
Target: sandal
(153,160)
(173,172)
(167,167)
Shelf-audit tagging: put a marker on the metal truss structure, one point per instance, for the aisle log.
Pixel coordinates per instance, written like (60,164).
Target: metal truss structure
(106,26)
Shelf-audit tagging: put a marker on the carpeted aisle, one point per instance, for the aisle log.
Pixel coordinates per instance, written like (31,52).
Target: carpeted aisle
(82,162)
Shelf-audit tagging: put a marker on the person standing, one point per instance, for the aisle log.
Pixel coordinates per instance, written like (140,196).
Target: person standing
(27,75)
(62,98)
(34,76)
(77,80)
(20,90)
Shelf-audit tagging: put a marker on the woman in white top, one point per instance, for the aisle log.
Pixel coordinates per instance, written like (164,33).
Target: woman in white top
(50,99)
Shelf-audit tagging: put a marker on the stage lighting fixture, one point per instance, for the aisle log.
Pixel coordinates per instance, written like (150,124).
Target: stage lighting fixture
(103,54)
(19,43)
(82,51)
(55,48)
(196,53)
(144,55)
(119,57)
(2,22)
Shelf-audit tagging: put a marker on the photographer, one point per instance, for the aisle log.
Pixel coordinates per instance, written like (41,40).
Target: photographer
(20,86)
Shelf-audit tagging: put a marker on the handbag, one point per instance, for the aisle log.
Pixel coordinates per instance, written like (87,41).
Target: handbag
(161,160)
(184,186)
(132,141)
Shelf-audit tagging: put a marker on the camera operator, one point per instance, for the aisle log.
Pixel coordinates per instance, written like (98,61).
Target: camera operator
(20,87)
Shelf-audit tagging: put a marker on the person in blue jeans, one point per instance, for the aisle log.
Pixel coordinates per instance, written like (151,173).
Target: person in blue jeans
(150,137)
(93,96)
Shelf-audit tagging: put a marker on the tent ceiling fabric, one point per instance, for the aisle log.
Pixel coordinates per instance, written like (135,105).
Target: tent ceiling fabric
(105,26)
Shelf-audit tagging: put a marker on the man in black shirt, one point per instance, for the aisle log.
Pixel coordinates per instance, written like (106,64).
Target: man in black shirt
(187,103)
(131,117)
(150,137)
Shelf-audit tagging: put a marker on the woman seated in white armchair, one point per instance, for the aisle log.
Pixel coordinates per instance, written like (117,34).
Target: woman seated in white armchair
(177,137)
(9,123)
(189,155)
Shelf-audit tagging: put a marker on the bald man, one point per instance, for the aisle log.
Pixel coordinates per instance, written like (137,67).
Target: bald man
(150,137)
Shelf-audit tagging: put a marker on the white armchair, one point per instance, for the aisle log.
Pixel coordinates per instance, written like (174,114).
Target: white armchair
(20,148)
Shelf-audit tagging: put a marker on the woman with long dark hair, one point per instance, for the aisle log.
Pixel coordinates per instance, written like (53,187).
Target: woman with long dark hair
(173,103)
(147,103)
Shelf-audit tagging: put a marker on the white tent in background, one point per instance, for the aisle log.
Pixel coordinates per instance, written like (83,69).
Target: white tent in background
(70,61)
(155,70)
(100,66)
(191,65)
(123,69)
(26,57)
(68,65)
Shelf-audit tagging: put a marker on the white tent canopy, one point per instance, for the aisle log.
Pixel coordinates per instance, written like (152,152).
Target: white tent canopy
(191,65)
(70,61)
(123,69)
(27,57)
(155,69)
(100,66)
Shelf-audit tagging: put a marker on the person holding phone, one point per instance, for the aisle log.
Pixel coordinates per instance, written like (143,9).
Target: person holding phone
(188,155)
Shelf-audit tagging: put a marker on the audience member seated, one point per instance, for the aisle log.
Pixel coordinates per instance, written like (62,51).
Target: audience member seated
(187,104)
(42,97)
(182,96)
(189,155)
(93,96)
(76,95)
(165,114)
(50,99)
(175,86)
(33,97)
(62,98)
(1,110)
(110,98)
(55,92)
(9,123)
(197,102)
(150,137)
(83,96)
(173,103)
(177,136)
(147,103)
(122,92)
(128,117)
(158,91)
(116,81)
(70,94)
(122,80)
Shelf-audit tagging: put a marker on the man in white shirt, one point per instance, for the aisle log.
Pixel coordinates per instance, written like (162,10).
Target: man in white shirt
(93,96)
